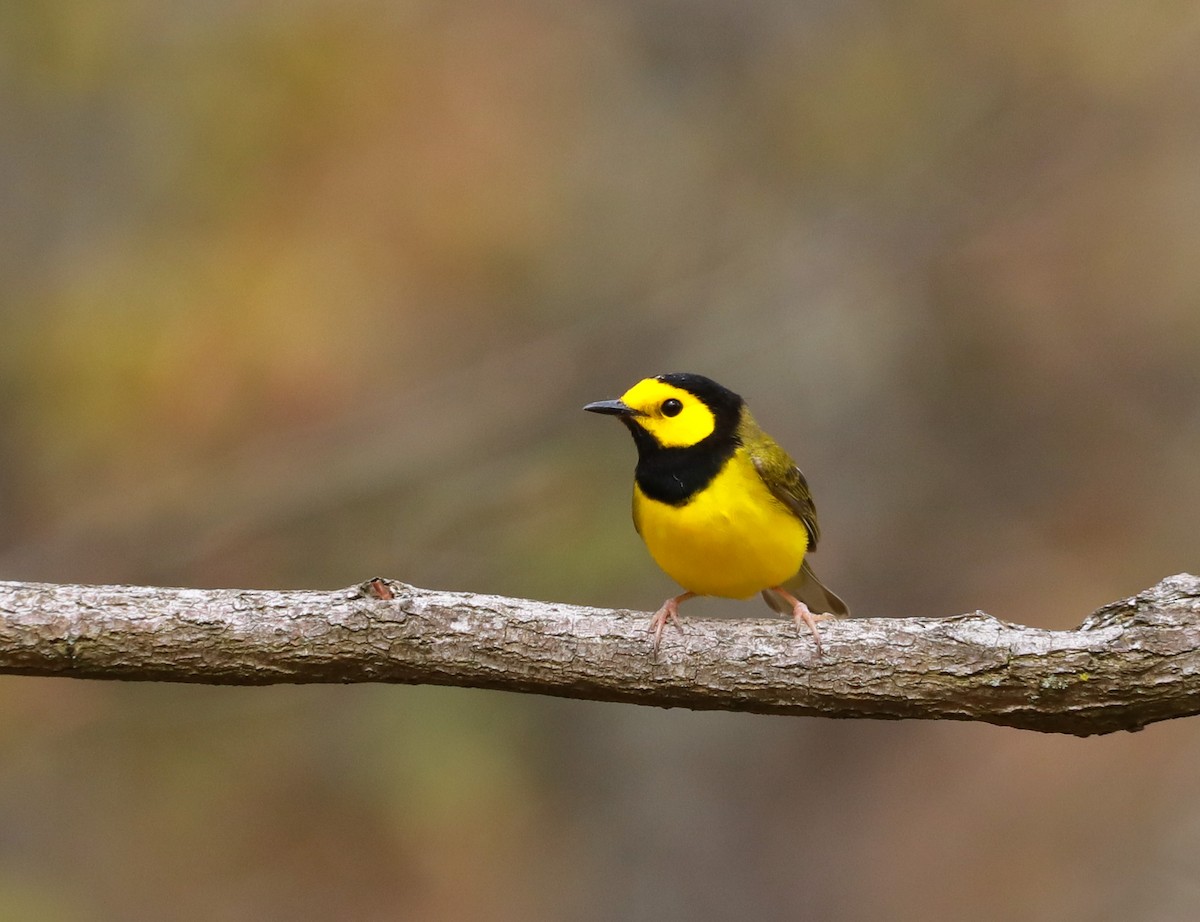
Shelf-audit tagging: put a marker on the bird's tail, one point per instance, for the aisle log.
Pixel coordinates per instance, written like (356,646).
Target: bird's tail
(811,591)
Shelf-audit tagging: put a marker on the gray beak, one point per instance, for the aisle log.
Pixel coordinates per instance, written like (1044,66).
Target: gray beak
(611,408)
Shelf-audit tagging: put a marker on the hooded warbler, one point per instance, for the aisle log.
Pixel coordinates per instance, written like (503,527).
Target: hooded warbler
(722,508)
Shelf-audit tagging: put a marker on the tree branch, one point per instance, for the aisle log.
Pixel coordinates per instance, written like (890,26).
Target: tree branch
(1131,663)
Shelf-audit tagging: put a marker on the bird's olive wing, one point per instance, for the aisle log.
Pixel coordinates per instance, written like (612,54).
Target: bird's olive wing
(787,484)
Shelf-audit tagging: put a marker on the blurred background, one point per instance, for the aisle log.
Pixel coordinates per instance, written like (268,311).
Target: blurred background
(292,295)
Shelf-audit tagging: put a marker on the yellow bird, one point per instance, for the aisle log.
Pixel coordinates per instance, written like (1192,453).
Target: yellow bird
(722,508)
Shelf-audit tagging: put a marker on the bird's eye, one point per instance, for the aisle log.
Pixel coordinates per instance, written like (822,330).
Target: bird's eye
(671,407)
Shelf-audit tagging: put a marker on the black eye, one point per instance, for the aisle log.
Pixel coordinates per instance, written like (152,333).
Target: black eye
(671,407)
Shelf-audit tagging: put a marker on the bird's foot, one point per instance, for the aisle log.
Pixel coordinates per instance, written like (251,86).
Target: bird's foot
(802,616)
(669,613)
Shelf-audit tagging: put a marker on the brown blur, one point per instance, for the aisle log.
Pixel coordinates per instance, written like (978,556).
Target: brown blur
(298,294)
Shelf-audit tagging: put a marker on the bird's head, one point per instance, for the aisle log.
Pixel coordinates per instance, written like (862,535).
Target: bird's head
(675,411)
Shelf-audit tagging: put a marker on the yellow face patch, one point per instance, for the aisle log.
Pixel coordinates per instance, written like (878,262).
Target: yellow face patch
(674,417)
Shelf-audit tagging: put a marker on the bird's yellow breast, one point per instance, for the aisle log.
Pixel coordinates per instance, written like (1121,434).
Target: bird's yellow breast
(733,538)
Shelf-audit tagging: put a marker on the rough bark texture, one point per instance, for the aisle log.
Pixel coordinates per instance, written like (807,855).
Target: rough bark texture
(1131,663)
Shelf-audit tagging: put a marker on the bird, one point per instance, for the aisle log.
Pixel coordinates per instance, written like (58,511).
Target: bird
(723,509)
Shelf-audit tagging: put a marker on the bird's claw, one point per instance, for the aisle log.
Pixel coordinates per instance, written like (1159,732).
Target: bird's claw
(802,615)
(669,613)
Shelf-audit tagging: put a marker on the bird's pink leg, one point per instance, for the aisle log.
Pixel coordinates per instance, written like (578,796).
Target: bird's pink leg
(668,613)
(801,613)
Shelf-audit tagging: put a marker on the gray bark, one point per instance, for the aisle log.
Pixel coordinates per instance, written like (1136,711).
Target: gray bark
(1131,663)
